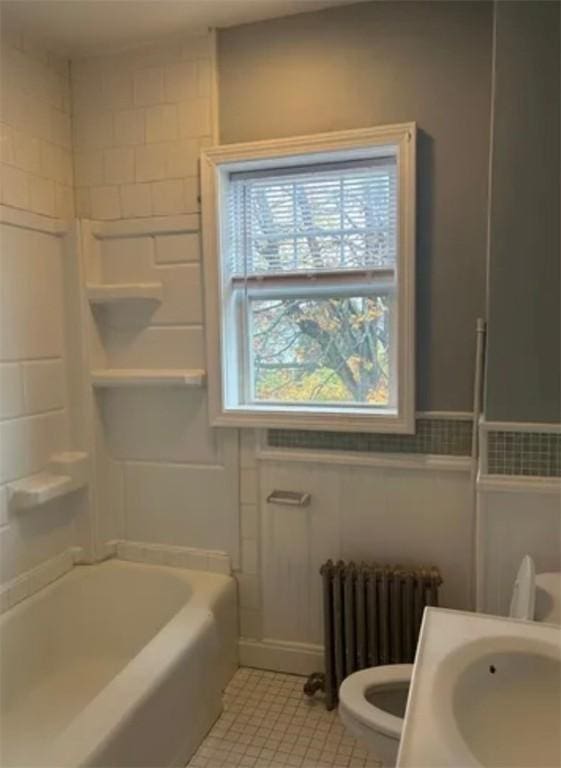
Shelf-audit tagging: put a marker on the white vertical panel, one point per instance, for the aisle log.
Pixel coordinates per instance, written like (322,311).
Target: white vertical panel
(513,524)
(295,541)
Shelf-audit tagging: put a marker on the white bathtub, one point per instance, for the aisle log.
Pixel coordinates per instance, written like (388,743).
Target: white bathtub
(116,664)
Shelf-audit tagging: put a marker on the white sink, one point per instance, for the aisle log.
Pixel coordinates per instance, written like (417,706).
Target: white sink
(486,691)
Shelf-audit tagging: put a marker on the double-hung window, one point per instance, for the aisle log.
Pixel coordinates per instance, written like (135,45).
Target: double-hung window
(309,281)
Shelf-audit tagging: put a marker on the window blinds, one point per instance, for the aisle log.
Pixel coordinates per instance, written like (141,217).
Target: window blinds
(313,219)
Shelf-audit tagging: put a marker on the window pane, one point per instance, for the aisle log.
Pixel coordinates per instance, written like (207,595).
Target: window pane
(321,350)
(314,220)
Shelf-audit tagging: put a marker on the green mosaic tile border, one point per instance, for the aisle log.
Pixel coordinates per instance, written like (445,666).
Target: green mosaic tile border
(447,437)
(536,454)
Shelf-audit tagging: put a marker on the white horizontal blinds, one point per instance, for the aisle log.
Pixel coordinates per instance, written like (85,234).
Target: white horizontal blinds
(334,217)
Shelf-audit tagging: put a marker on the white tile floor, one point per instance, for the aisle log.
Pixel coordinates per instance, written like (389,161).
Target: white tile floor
(269,723)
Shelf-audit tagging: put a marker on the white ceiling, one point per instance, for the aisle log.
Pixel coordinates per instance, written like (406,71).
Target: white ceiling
(84,27)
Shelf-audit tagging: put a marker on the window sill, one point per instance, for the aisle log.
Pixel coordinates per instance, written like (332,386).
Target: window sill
(330,420)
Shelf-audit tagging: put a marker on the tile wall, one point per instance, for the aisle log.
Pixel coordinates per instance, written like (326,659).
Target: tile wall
(35,129)
(140,119)
(35,420)
(534,454)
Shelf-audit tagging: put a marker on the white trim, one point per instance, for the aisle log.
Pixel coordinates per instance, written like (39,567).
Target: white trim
(427,462)
(155,225)
(303,145)
(17,217)
(520,426)
(278,656)
(518,484)
(215,163)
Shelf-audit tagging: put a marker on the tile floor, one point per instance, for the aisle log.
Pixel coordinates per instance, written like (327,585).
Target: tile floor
(268,723)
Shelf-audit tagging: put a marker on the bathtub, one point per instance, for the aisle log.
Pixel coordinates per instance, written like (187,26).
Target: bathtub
(116,664)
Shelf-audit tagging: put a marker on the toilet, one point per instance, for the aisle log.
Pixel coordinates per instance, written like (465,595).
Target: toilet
(372,707)
(372,701)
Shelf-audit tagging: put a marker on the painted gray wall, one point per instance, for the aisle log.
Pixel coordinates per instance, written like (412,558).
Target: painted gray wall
(524,349)
(373,64)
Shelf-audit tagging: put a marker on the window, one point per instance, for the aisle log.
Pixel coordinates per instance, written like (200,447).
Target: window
(309,267)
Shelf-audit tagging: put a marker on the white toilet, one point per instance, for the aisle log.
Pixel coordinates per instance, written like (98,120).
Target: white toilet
(372,707)
(372,702)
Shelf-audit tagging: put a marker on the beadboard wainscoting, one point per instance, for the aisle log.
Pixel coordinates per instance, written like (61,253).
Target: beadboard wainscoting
(515,516)
(518,506)
(379,507)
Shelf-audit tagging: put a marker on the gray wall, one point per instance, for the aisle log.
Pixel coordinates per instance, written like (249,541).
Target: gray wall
(377,63)
(523,374)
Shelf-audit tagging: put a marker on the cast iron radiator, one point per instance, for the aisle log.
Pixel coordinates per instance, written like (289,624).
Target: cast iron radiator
(371,615)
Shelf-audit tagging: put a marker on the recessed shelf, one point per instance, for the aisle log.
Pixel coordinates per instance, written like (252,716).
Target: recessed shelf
(111,293)
(67,472)
(145,377)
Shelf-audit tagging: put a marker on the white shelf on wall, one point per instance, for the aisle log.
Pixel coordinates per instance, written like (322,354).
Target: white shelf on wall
(111,293)
(145,377)
(67,472)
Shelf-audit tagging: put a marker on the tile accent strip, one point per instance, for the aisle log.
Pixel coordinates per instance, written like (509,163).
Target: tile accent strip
(536,454)
(448,437)
(177,557)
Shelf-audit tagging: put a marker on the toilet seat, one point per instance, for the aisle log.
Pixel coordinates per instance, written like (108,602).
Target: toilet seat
(355,705)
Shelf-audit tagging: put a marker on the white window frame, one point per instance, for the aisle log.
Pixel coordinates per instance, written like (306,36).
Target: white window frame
(217,163)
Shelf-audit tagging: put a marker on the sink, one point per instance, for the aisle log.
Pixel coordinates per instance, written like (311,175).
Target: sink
(486,691)
(499,691)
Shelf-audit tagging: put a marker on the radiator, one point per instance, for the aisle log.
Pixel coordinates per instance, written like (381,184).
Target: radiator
(372,615)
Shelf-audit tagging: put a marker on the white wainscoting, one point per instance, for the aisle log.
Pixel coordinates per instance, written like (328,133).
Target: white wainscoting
(357,512)
(515,516)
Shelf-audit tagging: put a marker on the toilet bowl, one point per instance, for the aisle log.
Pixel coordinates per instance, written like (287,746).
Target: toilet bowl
(372,701)
(372,706)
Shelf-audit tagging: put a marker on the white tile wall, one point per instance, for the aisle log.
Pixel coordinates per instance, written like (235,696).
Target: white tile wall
(140,119)
(30,317)
(35,136)
(180,504)
(137,144)
(34,416)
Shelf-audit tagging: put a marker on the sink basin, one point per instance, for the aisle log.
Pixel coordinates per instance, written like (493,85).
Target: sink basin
(486,691)
(503,696)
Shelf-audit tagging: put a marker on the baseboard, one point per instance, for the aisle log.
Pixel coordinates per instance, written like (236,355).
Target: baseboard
(293,658)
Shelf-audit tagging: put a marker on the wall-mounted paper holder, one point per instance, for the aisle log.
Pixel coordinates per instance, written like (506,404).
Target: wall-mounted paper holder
(289,498)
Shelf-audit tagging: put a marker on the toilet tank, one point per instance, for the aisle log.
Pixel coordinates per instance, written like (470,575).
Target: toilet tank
(548,598)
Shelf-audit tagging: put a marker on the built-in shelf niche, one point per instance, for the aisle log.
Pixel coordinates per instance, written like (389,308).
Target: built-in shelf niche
(114,293)
(143,377)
